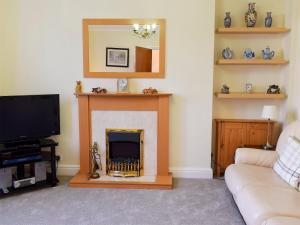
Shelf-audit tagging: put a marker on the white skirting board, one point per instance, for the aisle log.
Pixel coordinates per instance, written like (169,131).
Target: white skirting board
(180,172)
(192,172)
(67,170)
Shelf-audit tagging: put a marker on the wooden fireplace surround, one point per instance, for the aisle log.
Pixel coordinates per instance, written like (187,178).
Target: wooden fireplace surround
(89,102)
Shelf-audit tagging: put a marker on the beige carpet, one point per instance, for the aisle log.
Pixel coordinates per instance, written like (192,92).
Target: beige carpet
(191,202)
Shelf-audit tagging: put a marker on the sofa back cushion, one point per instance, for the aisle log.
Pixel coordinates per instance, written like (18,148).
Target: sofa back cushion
(288,164)
(292,129)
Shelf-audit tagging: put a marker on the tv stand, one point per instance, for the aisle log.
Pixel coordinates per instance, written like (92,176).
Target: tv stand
(19,154)
(23,143)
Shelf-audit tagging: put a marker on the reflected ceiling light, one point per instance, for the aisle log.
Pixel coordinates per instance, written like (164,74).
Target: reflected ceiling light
(144,31)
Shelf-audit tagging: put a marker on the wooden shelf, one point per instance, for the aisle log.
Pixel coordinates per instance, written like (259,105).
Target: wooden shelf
(253,30)
(242,95)
(251,62)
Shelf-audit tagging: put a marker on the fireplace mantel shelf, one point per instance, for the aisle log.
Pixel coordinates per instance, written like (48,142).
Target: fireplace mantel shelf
(123,94)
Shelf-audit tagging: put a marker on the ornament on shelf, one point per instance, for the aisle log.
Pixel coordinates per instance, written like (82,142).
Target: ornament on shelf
(273,89)
(268,20)
(267,53)
(150,90)
(78,88)
(248,88)
(99,90)
(251,15)
(225,89)
(227,20)
(227,53)
(249,54)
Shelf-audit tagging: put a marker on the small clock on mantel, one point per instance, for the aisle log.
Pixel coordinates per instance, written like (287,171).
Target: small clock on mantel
(122,85)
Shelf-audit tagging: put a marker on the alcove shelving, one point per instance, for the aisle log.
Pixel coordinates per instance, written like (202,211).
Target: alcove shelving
(238,73)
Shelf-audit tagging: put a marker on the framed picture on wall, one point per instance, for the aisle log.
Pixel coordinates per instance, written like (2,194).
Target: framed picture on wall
(117,57)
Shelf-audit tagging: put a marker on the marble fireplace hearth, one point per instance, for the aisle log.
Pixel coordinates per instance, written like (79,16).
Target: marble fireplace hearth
(150,113)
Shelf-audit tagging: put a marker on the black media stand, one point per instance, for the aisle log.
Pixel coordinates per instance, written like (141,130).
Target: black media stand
(16,157)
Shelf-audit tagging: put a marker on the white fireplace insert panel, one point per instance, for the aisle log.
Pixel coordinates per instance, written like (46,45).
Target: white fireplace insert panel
(146,120)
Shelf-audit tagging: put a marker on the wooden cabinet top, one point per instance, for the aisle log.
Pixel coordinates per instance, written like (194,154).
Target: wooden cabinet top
(243,120)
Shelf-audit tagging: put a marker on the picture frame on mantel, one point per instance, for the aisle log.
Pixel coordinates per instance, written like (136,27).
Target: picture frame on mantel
(117,57)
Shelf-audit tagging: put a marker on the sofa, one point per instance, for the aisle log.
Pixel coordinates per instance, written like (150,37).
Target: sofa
(262,197)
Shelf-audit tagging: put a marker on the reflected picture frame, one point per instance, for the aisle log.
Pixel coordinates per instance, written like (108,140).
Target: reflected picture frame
(117,57)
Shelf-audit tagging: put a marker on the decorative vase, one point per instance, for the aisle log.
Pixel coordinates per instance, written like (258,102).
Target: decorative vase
(267,53)
(227,20)
(251,15)
(227,53)
(249,54)
(268,19)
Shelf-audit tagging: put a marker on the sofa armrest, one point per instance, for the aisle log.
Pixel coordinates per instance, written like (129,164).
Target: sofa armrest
(256,157)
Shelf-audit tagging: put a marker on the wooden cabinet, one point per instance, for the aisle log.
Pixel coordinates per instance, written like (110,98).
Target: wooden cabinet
(233,134)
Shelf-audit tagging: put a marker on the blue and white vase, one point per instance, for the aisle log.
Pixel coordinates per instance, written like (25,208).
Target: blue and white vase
(251,15)
(227,20)
(249,54)
(268,20)
(227,53)
(267,53)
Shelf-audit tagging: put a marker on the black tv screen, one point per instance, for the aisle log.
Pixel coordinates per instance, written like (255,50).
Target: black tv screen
(29,117)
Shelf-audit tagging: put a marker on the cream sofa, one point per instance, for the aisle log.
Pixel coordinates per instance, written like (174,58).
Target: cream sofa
(262,197)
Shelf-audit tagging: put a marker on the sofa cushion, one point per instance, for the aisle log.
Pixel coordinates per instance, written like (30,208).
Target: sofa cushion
(281,220)
(292,129)
(259,203)
(255,157)
(238,176)
(288,164)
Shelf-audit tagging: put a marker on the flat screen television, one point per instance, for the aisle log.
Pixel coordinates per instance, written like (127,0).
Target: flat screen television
(29,117)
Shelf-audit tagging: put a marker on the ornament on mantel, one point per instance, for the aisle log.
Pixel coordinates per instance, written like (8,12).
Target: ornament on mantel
(99,90)
(150,90)
(78,88)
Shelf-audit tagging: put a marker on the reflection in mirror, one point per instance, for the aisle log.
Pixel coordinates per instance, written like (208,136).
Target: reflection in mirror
(117,48)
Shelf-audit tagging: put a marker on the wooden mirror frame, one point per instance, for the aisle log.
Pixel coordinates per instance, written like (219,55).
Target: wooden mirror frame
(86,62)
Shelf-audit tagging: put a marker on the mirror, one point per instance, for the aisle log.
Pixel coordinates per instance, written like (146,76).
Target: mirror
(124,48)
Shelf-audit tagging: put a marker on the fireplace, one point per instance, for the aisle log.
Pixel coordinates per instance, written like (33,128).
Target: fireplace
(148,112)
(124,152)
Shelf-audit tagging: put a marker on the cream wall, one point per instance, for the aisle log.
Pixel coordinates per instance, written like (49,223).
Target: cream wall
(294,83)
(7,45)
(47,36)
